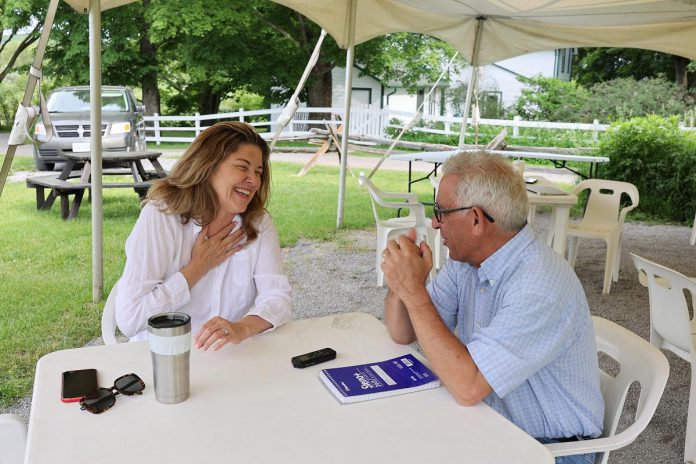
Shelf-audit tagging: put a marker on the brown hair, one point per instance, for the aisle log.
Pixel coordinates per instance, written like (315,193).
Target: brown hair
(187,190)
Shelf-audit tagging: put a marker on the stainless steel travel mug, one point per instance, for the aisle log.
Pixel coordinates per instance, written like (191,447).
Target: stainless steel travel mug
(170,345)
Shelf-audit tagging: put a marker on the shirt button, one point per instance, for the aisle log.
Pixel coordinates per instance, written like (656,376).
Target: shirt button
(492,282)
(483,290)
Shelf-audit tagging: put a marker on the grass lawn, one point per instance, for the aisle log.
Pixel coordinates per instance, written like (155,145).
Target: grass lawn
(45,262)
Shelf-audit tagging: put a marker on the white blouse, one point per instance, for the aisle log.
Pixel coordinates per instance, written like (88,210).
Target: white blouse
(250,282)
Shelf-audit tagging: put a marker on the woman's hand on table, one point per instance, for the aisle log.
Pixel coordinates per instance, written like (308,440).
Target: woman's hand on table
(218,331)
(208,252)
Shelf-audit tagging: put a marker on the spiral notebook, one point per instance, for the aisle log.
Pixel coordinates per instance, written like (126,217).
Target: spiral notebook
(363,382)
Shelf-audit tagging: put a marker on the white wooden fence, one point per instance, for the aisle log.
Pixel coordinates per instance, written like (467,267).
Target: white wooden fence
(365,120)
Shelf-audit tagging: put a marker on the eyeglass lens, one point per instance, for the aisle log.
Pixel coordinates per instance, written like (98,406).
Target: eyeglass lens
(104,398)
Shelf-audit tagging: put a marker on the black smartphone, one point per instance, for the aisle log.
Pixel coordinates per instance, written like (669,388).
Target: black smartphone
(77,384)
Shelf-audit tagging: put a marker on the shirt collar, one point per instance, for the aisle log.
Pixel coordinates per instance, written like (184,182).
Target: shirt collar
(197,227)
(494,266)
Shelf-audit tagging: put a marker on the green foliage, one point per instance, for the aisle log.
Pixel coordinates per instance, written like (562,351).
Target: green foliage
(624,98)
(550,99)
(67,56)
(658,158)
(594,65)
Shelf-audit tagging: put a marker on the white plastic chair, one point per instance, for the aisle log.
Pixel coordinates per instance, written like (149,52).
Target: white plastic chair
(671,329)
(13,439)
(108,320)
(388,229)
(603,220)
(639,362)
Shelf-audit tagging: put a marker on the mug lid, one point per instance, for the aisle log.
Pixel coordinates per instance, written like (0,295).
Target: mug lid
(168,320)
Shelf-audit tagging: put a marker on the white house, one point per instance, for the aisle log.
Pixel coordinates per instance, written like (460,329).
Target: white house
(498,82)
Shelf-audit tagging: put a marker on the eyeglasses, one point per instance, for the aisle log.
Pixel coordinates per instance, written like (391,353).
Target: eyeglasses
(438,212)
(104,398)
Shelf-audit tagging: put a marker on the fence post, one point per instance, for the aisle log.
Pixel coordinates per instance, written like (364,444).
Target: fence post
(516,126)
(595,131)
(241,114)
(157,128)
(197,122)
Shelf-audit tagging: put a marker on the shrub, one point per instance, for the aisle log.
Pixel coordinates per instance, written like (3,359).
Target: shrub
(658,158)
(550,99)
(625,98)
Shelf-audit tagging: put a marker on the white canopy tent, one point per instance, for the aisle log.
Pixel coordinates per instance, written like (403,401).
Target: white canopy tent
(484,31)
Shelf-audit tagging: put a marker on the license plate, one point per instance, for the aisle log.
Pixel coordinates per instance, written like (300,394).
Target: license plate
(81,147)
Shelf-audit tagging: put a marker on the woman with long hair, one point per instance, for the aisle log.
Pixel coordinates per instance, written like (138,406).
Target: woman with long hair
(205,245)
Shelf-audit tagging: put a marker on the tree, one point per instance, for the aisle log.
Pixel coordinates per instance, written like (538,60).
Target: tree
(20,27)
(626,98)
(550,99)
(594,65)
(128,56)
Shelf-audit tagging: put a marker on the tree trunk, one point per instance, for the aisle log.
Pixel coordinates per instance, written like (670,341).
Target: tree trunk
(680,72)
(319,95)
(148,53)
(208,101)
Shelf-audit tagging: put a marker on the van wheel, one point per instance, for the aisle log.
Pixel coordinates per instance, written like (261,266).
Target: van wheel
(43,166)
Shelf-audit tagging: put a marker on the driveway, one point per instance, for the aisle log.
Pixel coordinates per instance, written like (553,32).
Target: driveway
(22,150)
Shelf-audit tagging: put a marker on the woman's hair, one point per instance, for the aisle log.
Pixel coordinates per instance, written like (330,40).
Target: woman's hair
(488,181)
(187,190)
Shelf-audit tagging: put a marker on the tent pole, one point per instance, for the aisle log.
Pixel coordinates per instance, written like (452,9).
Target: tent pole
(96,149)
(31,83)
(346,113)
(472,80)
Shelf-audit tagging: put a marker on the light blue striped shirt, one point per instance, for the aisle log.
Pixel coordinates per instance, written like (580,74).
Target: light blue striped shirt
(524,317)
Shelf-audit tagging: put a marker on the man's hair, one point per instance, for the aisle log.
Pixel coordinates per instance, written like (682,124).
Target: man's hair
(187,190)
(488,181)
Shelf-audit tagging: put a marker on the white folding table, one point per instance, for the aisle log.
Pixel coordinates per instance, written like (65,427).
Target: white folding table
(249,405)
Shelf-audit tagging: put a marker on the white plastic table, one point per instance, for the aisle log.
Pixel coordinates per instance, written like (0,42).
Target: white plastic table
(249,405)
(560,214)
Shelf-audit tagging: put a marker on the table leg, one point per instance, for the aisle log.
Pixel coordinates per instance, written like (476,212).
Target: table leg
(158,168)
(558,228)
(41,199)
(48,203)
(86,173)
(75,208)
(64,206)
(67,169)
(135,170)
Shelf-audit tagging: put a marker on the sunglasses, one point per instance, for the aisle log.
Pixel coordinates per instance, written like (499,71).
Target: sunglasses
(104,398)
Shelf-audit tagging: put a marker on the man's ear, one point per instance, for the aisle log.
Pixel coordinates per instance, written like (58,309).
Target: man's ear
(477,221)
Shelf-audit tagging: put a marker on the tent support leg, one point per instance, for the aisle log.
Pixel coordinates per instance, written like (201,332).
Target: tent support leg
(31,83)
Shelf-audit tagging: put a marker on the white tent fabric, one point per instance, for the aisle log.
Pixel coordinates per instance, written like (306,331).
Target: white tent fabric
(516,27)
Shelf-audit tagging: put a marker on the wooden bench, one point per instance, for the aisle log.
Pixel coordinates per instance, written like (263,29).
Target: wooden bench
(63,189)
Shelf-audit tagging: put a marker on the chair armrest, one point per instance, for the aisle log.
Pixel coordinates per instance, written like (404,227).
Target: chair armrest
(624,212)
(597,445)
(408,196)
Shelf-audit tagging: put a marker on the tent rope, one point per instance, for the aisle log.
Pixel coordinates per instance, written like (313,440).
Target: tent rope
(289,111)
(414,120)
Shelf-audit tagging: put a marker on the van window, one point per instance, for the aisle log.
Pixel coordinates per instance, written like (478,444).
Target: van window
(65,101)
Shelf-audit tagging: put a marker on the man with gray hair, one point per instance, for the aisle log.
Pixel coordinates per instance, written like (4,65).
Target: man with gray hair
(524,341)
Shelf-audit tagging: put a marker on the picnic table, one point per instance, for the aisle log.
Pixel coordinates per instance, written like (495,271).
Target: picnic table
(127,163)
(439,157)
